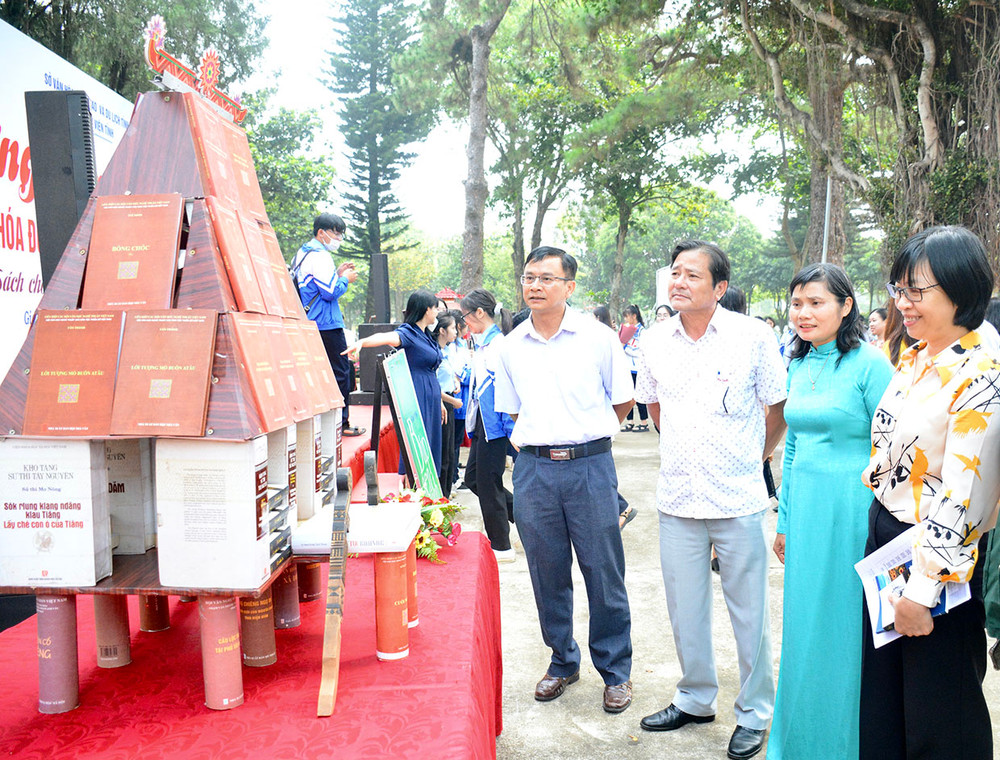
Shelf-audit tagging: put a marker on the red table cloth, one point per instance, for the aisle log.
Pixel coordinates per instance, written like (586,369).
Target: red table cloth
(443,701)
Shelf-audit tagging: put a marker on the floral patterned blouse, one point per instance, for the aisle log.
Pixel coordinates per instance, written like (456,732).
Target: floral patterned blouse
(936,458)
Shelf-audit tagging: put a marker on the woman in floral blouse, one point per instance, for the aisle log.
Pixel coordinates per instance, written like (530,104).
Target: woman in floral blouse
(935,450)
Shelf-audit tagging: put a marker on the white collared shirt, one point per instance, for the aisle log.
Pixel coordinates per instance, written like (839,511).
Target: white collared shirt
(712,393)
(563,389)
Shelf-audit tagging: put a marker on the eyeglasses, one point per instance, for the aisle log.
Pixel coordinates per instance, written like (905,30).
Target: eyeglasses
(544,279)
(913,295)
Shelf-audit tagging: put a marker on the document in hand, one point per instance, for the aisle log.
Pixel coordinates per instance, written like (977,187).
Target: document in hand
(884,573)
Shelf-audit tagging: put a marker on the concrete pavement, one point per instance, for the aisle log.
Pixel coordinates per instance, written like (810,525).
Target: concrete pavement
(575,725)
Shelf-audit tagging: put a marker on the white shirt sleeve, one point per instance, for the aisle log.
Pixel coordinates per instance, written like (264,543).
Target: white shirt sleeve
(505,398)
(771,378)
(618,377)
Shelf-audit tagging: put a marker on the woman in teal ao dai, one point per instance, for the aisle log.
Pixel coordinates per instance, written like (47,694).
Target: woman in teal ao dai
(835,381)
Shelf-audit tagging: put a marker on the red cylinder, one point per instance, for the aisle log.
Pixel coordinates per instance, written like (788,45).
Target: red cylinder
(411,593)
(220,652)
(257,631)
(392,636)
(154,613)
(58,668)
(114,644)
(285,598)
(310,581)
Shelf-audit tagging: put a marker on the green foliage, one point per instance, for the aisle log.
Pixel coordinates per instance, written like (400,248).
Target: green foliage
(375,128)
(106,38)
(296,186)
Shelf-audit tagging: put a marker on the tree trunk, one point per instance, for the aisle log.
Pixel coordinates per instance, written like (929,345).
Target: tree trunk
(517,250)
(476,190)
(616,301)
(373,233)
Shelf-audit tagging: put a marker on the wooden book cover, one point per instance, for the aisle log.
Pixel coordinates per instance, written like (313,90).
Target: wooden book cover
(291,304)
(322,364)
(253,339)
(72,379)
(288,371)
(307,370)
(262,266)
(242,277)
(203,282)
(164,373)
(132,260)
(211,144)
(244,171)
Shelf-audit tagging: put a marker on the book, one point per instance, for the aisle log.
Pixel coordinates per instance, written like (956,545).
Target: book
(164,373)
(132,259)
(71,382)
(291,304)
(130,494)
(211,504)
(288,371)
(232,245)
(307,371)
(261,266)
(56,526)
(213,151)
(321,362)
(254,345)
(884,573)
(244,171)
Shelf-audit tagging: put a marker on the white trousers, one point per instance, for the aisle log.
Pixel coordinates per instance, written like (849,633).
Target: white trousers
(685,557)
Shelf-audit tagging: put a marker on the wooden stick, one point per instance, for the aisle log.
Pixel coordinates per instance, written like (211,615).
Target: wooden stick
(335,598)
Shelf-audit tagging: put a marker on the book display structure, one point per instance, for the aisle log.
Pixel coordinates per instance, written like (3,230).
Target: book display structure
(171,413)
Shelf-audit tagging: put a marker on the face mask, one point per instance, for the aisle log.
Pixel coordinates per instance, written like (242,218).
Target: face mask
(332,246)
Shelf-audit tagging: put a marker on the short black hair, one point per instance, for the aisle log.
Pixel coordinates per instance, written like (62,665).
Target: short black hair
(329,222)
(445,318)
(417,305)
(545,251)
(634,309)
(734,299)
(603,315)
(718,260)
(851,332)
(884,313)
(958,261)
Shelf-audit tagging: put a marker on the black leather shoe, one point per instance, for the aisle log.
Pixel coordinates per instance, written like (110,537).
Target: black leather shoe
(746,742)
(672,718)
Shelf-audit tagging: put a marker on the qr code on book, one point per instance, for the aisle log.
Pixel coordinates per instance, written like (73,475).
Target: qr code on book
(69,393)
(128,270)
(159,388)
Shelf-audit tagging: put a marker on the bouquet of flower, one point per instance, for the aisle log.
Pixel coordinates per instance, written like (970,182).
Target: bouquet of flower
(437,518)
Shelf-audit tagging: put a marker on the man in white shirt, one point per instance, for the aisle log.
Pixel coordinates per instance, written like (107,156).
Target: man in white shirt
(707,375)
(564,378)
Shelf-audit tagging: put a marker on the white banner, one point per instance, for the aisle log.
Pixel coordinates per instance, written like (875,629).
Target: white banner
(29,67)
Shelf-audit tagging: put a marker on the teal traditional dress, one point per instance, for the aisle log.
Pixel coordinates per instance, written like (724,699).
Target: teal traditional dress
(823,513)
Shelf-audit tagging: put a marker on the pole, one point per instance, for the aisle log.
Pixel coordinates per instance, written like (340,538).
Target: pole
(826,217)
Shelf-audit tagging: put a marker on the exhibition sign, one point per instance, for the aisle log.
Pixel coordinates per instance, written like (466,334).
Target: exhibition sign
(30,67)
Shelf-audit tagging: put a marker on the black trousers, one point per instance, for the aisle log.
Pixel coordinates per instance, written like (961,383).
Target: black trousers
(922,696)
(335,344)
(643,416)
(484,477)
(448,452)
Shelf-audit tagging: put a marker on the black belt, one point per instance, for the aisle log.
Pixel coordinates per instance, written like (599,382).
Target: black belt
(565,453)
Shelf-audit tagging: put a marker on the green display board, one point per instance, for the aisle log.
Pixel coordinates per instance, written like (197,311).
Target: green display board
(410,425)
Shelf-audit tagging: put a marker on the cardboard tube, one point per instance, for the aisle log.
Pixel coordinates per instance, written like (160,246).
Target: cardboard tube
(257,631)
(285,598)
(58,669)
(114,644)
(154,613)
(392,636)
(310,581)
(220,652)
(411,593)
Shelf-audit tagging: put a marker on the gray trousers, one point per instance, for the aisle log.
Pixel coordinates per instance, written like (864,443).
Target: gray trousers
(685,557)
(559,508)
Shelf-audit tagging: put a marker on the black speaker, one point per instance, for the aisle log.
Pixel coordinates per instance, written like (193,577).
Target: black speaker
(378,271)
(369,356)
(62,167)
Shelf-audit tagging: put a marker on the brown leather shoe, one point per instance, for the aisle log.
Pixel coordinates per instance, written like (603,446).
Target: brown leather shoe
(551,687)
(617,698)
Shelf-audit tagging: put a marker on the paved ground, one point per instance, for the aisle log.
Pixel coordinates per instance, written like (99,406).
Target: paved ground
(575,725)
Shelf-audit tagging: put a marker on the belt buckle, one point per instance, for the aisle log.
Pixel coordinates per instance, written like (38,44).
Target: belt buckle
(560,455)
